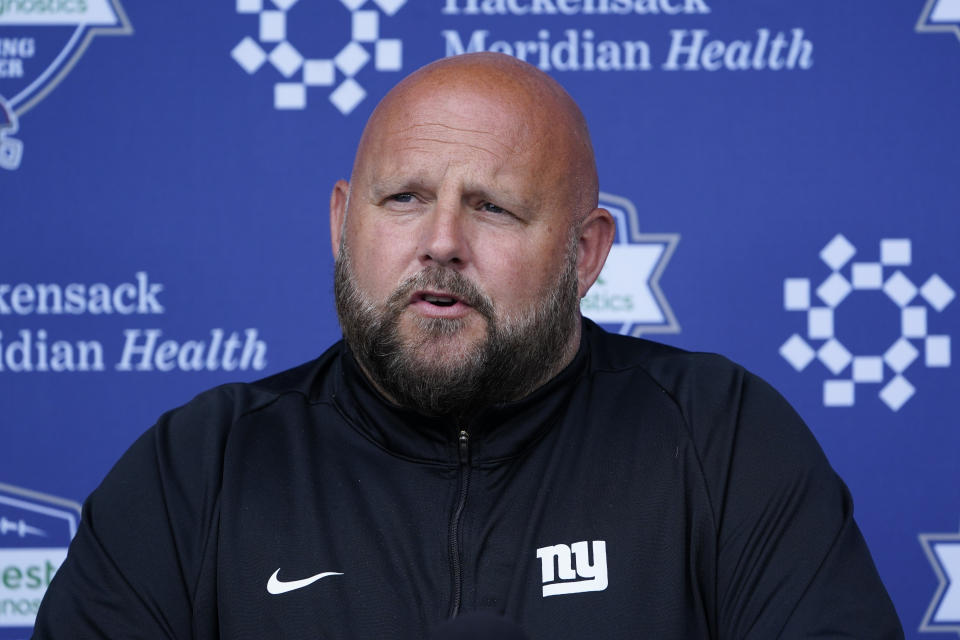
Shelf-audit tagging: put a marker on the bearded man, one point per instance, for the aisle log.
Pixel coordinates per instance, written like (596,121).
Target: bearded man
(474,445)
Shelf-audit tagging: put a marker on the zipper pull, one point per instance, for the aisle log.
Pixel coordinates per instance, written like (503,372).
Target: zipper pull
(464,441)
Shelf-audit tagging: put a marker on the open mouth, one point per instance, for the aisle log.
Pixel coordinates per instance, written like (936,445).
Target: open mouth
(440,301)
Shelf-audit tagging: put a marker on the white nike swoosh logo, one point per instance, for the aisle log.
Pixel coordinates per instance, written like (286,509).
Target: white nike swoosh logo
(275,586)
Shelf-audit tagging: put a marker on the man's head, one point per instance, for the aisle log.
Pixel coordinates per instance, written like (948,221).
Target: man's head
(467,234)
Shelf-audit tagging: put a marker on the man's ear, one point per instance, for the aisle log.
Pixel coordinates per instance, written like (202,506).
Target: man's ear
(338,213)
(596,236)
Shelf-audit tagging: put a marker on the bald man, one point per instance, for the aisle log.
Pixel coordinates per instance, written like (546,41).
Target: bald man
(472,213)
(473,447)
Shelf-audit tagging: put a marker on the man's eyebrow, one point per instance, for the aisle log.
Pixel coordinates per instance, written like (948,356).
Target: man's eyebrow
(391,184)
(509,199)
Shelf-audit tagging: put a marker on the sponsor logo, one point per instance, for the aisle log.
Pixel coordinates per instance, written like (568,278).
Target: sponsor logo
(561,576)
(35,530)
(585,49)
(143,349)
(297,65)
(40,42)
(564,7)
(627,298)
(690,50)
(276,586)
(940,16)
(884,282)
(943,552)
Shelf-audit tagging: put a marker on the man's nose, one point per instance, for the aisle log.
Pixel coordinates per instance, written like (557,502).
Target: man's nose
(444,238)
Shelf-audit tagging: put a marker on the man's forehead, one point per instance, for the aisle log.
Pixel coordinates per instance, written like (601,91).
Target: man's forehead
(508,137)
(441,143)
(450,114)
(440,139)
(505,116)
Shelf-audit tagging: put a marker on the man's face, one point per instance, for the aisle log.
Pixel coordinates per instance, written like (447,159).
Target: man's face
(458,256)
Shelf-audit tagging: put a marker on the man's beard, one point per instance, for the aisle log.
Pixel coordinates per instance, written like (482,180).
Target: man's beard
(517,354)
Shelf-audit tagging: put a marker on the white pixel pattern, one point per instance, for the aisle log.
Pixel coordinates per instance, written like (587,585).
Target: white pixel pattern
(886,366)
(291,92)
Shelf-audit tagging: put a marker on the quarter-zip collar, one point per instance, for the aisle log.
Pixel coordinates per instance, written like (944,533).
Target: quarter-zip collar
(498,432)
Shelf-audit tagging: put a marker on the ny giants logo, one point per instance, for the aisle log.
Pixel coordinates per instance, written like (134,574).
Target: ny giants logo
(561,576)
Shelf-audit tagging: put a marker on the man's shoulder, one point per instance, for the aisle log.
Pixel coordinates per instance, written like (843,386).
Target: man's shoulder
(708,390)
(191,441)
(672,368)
(228,402)
(301,379)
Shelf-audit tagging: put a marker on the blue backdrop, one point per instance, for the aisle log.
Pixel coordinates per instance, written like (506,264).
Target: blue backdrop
(785,176)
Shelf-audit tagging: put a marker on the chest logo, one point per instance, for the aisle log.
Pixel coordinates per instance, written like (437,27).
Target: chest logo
(276,586)
(560,574)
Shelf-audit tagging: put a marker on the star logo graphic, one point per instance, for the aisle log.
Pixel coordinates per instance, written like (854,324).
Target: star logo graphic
(41,43)
(943,552)
(940,16)
(627,298)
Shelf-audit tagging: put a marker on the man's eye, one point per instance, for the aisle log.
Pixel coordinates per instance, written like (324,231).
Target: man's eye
(401,197)
(492,208)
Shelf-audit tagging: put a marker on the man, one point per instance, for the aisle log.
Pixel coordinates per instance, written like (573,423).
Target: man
(474,445)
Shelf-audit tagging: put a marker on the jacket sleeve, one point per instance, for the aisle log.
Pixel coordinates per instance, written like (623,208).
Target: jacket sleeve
(791,562)
(132,568)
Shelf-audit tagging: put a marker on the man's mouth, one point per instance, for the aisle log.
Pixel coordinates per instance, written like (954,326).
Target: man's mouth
(440,301)
(440,304)
(440,293)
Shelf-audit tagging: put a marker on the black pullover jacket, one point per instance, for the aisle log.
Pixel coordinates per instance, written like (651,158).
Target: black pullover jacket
(644,492)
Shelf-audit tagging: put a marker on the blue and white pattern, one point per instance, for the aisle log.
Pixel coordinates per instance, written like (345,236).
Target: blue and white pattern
(340,69)
(887,365)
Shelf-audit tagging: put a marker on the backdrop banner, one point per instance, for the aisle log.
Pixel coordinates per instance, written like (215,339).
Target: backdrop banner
(785,178)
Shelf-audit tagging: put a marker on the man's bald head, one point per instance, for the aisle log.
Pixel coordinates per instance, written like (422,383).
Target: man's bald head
(527,110)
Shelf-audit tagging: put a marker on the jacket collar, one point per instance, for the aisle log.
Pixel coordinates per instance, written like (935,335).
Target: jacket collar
(496,433)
